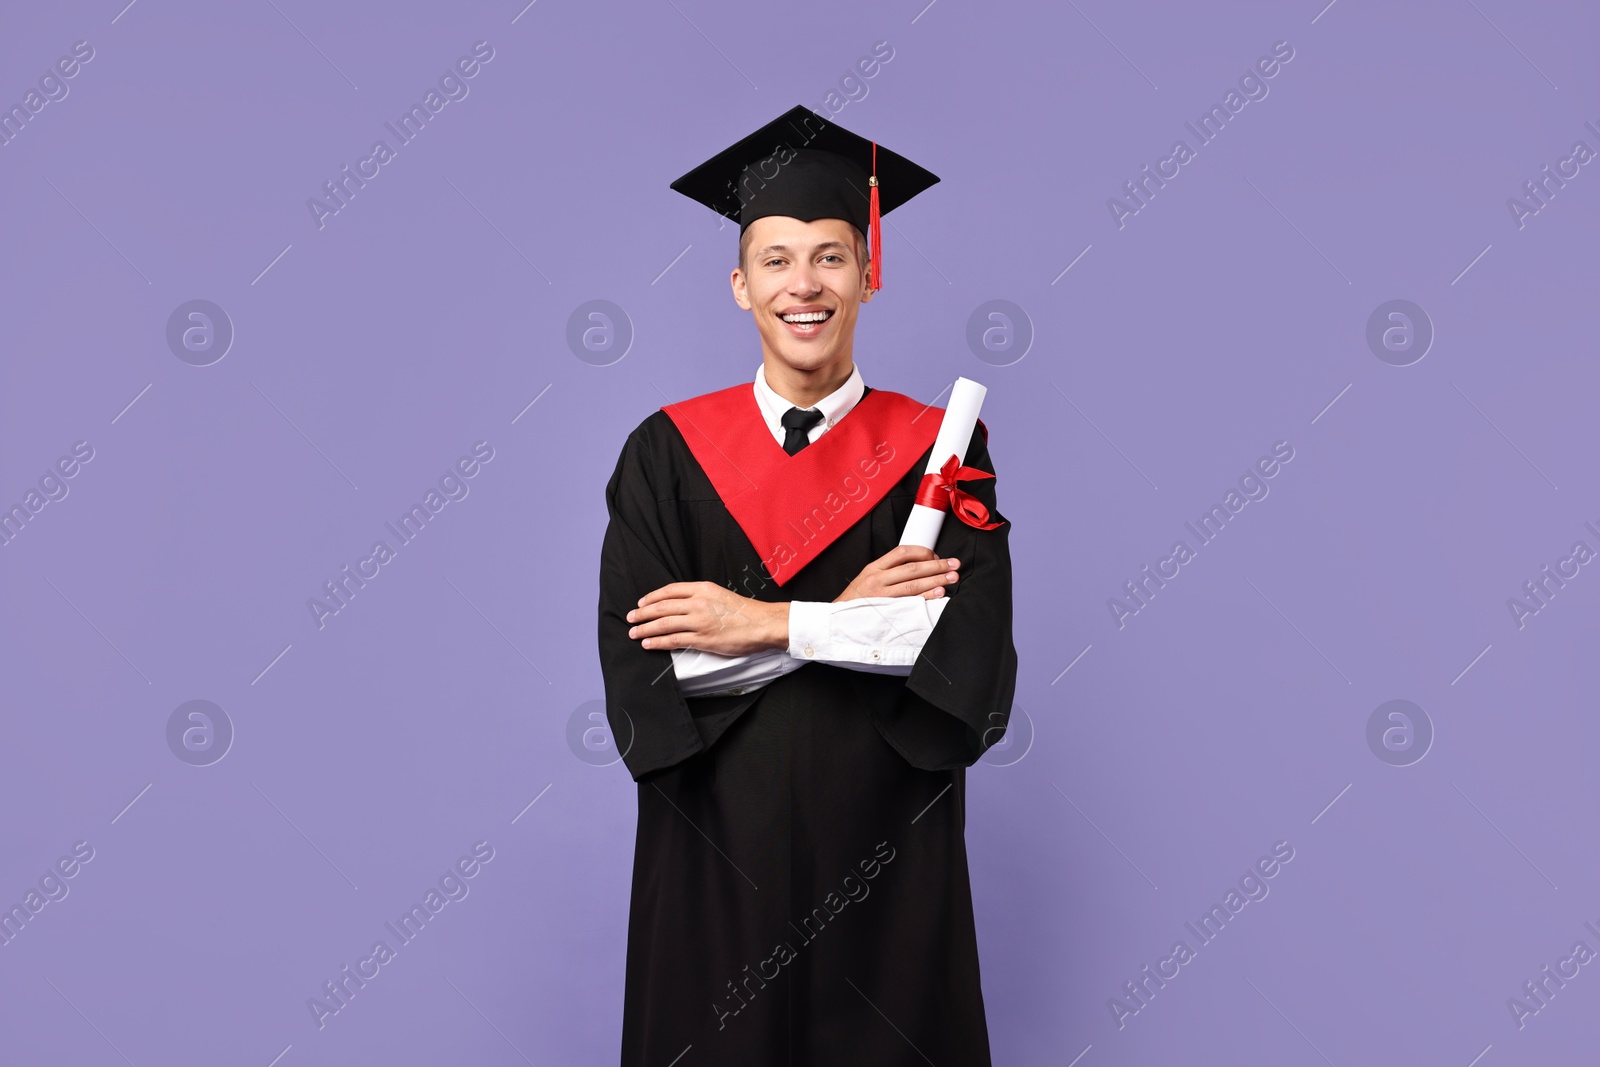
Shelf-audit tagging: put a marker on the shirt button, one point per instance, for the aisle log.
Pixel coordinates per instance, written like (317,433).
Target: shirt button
(810,651)
(877,654)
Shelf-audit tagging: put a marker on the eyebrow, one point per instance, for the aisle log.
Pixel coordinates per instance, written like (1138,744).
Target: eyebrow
(818,248)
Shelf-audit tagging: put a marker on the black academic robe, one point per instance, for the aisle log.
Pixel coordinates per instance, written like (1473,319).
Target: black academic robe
(800,885)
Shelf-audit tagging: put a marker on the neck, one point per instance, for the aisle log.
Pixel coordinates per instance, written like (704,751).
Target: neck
(803,388)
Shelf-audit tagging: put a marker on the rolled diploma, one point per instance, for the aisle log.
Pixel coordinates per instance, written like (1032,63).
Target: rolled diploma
(960,419)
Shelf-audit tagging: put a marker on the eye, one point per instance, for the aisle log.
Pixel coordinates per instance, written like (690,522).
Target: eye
(834,255)
(770,262)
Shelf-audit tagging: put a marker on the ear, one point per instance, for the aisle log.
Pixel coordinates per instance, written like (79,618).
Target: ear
(867,291)
(740,293)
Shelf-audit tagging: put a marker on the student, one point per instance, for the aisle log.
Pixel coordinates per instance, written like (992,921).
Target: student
(797,697)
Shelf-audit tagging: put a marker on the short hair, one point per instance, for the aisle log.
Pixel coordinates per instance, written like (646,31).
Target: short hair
(860,241)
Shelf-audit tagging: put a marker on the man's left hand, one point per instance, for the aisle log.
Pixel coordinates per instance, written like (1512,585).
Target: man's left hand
(709,617)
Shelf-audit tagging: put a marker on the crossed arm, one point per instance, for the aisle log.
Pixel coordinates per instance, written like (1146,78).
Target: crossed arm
(724,642)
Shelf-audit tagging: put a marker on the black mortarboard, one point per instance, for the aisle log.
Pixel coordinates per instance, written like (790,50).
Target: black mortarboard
(803,166)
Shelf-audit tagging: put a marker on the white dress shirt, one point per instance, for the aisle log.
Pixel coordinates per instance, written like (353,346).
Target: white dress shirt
(877,634)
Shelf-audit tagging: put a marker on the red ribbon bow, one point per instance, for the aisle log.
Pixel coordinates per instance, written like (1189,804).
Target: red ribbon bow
(938,491)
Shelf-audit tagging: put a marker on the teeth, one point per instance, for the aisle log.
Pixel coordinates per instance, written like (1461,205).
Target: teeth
(807,316)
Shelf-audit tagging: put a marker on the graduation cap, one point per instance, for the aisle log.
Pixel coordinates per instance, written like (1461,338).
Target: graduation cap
(803,166)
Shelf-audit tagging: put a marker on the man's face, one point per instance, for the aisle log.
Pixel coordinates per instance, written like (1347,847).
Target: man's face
(807,269)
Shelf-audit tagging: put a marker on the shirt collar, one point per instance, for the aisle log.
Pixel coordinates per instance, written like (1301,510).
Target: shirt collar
(834,406)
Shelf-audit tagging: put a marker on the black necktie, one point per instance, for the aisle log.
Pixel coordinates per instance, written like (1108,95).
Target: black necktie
(798,424)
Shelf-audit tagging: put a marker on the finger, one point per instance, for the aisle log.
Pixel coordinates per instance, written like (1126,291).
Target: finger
(901,554)
(922,585)
(660,608)
(672,624)
(934,593)
(675,589)
(910,571)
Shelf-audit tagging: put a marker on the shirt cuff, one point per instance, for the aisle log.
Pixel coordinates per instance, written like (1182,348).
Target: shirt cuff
(808,628)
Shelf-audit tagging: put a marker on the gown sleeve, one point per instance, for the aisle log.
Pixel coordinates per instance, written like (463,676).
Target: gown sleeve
(647,711)
(957,700)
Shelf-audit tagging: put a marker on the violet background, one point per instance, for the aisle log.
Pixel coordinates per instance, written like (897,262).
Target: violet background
(1138,785)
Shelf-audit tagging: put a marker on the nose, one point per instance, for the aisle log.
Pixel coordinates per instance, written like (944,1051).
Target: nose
(803,280)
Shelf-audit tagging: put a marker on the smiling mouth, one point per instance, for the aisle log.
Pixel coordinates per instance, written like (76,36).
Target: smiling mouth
(805,324)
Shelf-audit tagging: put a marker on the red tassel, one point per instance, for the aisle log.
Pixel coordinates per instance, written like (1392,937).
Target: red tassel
(875,226)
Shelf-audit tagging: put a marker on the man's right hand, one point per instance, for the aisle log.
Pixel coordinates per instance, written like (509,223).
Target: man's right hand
(905,570)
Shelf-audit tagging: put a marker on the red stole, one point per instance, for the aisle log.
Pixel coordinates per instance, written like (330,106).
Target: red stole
(793,507)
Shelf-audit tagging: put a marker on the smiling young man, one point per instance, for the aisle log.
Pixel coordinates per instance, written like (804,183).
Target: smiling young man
(796,694)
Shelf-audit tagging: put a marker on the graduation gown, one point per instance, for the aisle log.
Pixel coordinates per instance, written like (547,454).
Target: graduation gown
(800,886)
